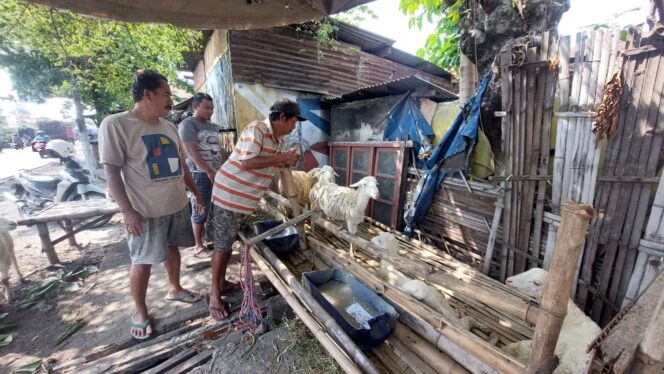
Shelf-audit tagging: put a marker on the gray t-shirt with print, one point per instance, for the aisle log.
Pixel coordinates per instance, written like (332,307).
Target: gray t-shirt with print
(206,134)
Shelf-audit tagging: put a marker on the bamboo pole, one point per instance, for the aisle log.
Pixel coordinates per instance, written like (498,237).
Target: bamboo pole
(571,235)
(474,353)
(506,303)
(288,184)
(317,330)
(321,315)
(439,361)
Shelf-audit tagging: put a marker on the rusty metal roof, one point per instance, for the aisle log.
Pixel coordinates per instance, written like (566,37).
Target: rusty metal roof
(281,57)
(413,84)
(382,47)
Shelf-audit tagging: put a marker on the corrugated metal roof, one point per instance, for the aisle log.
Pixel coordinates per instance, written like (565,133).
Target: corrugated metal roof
(368,41)
(382,47)
(399,86)
(284,58)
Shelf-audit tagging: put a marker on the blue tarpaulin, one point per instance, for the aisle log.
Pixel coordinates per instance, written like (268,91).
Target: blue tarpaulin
(450,155)
(406,122)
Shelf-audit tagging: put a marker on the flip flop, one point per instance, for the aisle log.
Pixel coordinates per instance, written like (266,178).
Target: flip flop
(143,327)
(225,310)
(185,297)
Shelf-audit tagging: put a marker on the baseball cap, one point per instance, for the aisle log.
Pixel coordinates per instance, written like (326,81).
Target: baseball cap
(288,107)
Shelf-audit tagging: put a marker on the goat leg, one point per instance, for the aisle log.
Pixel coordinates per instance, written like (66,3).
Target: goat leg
(20,276)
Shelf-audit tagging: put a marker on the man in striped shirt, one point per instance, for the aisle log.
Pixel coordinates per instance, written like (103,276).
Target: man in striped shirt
(239,185)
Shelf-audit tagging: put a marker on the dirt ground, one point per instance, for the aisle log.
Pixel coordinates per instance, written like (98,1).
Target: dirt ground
(100,300)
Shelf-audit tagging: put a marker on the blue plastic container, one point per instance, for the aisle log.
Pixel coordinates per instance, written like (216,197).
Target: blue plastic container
(286,240)
(362,314)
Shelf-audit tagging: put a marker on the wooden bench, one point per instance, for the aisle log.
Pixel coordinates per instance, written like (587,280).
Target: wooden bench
(67,212)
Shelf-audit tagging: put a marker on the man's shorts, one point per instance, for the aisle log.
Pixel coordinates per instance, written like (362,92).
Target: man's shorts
(224,226)
(204,187)
(158,233)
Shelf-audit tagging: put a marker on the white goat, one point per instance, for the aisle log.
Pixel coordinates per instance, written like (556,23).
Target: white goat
(322,176)
(345,203)
(7,257)
(576,334)
(427,294)
(303,182)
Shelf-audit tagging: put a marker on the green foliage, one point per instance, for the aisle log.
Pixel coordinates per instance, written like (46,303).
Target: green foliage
(442,46)
(101,56)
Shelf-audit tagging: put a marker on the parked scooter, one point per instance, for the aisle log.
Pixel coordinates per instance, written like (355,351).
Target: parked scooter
(35,192)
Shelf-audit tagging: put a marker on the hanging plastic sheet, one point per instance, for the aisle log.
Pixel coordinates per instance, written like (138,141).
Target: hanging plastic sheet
(406,122)
(451,155)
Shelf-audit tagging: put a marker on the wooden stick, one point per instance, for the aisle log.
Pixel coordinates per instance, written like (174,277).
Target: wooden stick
(274,230)
(488,255)
(573,223)
(321,315)
(316,329)
(47,246)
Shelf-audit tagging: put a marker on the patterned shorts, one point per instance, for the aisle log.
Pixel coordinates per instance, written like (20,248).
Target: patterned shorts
(204,187)
(223,226)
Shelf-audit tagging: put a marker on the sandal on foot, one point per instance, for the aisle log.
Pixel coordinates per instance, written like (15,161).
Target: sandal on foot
(142,326)
(224,310)
(185,297)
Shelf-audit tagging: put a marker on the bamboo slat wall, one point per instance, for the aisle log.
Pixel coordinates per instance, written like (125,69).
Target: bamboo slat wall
(528,88)
(624,246)
(460,220)
(636,150)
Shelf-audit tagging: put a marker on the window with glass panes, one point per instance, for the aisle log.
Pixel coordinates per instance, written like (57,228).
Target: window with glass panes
(383,160)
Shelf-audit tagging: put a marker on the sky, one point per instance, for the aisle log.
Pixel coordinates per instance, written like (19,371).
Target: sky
(393,24)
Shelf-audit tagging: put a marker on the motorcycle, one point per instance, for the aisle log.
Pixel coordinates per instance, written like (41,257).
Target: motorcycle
(40,146)
(34,192)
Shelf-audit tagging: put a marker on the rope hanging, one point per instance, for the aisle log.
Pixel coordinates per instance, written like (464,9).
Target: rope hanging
(250,318)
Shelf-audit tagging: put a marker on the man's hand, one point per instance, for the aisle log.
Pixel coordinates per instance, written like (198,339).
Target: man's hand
(200,204)
(133,222)
(290,158)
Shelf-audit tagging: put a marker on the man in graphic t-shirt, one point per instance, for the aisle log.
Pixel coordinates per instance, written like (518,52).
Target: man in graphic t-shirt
(144,163)
(201,141)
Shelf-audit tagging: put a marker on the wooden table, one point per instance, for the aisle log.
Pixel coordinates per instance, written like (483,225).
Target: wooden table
(67,212)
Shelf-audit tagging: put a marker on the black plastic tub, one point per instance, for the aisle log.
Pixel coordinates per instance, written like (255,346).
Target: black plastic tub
(362,314)
(284,241)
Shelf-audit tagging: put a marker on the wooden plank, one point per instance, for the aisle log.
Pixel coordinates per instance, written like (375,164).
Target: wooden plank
(488,255)
(572,133)
(506,123)
(562,125)
(549,50)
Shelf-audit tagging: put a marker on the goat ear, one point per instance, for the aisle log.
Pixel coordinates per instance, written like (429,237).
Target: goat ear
(356,184)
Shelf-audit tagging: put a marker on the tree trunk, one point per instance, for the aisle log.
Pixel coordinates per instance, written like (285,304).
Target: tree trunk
(467,79)
(490,26)
(90,163)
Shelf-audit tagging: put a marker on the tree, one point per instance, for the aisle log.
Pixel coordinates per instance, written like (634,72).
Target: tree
(56,52)
(479,29)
